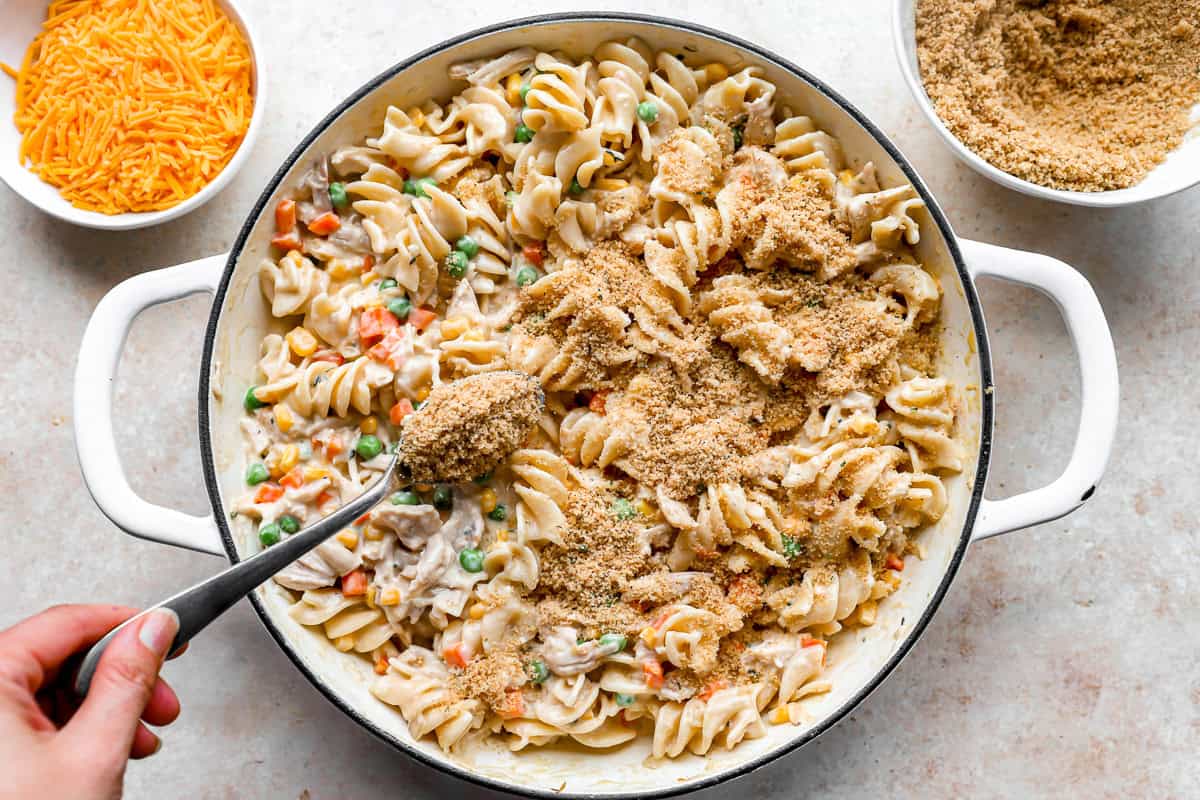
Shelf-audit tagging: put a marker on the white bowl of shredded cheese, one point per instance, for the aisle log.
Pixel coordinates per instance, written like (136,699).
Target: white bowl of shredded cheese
(163,194)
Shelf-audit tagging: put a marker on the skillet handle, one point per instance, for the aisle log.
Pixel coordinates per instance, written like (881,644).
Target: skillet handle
(99,355)
(1100,390)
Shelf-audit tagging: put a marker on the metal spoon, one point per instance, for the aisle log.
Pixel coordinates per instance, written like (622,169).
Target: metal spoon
(209,599)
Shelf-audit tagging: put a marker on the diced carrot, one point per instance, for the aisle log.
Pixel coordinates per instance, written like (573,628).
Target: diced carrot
(332,356)
(421,318)
(381,663)
(323,498)
(285,216)
(652,671)
(294,479)
(456,655)
(354,584)
(287,240)
(661,618)
(373,325)
(333,447)
(598,401)
(712,688)
(268,493)
(894,562)
(325,224)
(533,253)
(514,704)
(368,262)
(363,519)
(390,350)
(402,409)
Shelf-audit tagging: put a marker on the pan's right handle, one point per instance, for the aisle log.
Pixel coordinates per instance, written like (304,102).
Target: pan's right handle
(99,355)
(1099,386)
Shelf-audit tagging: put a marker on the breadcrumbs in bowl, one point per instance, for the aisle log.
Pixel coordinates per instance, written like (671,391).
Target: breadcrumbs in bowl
(125,114)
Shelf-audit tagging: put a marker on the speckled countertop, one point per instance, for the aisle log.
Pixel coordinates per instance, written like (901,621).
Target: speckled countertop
(1062,663)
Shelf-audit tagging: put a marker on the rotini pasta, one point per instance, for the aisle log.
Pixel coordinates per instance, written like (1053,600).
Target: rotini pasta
(744,429)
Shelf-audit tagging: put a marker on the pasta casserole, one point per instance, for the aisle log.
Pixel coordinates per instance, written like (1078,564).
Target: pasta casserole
(744,426)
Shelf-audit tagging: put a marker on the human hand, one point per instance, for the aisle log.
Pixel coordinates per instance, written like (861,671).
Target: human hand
(51,746)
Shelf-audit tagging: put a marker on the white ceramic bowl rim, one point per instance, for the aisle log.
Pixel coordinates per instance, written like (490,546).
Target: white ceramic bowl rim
(34,191)
(984,365)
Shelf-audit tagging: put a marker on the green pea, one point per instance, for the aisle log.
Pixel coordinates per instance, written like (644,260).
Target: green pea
(289,524)
(524,90)
(387,283)
(468,246)
(417,187)
(647,111)
(526,276)
(524,134)
(471,559)
(481,480)
(498,514)
(400,307)
(625,700)
(368,446)
(406,499)
(538,673)
(623,509)
(337,193)
(256,474)
(250,401)
(737,136)
(576,188)
(269,534)
(443,497)
(456,264)
(614,640)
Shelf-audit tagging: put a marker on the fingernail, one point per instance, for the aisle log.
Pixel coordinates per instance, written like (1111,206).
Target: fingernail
(158,630)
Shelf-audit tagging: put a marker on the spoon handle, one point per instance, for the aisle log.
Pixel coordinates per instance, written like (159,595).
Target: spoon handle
(209,599)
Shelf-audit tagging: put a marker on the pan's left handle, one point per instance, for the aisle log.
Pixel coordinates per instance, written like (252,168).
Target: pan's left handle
(99,355)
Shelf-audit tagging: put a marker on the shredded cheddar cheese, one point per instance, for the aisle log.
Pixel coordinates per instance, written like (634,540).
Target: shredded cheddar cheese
(132,105)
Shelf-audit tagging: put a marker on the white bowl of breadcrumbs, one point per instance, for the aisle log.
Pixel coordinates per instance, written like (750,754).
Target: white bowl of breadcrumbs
(1087,102)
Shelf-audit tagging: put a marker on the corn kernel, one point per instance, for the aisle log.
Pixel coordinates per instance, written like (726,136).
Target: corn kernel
(368,425)
(389,597)
(368,276)
(454,327)
(609,184)
(648,635)
(283,418)
(781,715)
(846,175)
(644,508)
(416,115)
(341,269)
(371,592)
(344,643)
(487,501)
(289,457)
(301,341)
(348,538)
(371,533)
(716,71)
(315,474)
(374,304)
(477,611)
(502,535)
(422,396)
(512,89)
